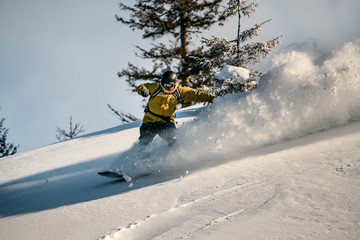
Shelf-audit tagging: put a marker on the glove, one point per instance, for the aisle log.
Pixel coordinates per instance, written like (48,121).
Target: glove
(144,92)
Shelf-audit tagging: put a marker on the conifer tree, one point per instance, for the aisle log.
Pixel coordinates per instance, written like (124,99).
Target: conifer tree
(6,148)
(179,21)
(182,20)
(238,52)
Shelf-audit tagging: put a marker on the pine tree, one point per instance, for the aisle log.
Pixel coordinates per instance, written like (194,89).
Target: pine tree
(179,21)
(239,52)
(6,149)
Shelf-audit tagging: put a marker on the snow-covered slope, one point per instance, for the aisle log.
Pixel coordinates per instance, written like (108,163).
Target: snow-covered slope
(280,163)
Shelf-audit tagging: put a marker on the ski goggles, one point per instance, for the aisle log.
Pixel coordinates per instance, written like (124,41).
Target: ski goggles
(168,85)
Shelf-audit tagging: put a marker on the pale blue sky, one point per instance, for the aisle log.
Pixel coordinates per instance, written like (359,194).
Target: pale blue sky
(61,57)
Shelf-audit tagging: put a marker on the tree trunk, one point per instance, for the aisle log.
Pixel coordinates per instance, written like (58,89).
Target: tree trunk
(184,49)
(239,28)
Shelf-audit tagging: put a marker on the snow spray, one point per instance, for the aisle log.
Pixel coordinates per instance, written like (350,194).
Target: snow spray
(295,98)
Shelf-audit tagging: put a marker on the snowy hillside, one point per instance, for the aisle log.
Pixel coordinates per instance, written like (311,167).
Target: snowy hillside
(282,162)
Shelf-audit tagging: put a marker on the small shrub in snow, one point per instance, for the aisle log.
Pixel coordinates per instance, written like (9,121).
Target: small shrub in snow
(6,148)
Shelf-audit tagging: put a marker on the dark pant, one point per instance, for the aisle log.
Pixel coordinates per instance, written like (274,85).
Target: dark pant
(149,130)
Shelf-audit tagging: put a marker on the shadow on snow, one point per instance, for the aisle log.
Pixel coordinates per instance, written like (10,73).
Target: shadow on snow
(64,186)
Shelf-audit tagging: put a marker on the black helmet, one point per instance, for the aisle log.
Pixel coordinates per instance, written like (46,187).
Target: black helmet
(169,77)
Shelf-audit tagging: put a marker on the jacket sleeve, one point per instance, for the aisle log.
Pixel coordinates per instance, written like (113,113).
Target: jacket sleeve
(190,94)
(150,86)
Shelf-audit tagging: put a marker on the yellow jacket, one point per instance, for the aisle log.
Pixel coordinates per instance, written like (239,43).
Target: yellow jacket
(165,104)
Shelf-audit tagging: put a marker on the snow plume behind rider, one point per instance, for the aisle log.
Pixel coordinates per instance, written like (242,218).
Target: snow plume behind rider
(295,98)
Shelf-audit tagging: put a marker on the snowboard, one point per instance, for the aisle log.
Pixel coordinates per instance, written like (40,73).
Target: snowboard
(119,176)
(111,174)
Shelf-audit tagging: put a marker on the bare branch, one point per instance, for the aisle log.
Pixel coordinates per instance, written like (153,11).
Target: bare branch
(74,131)
(125,118)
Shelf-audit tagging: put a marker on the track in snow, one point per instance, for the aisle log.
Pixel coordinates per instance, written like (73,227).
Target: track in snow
(192,218)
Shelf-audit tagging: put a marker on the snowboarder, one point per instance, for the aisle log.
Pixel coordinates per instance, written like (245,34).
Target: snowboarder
(160,110)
